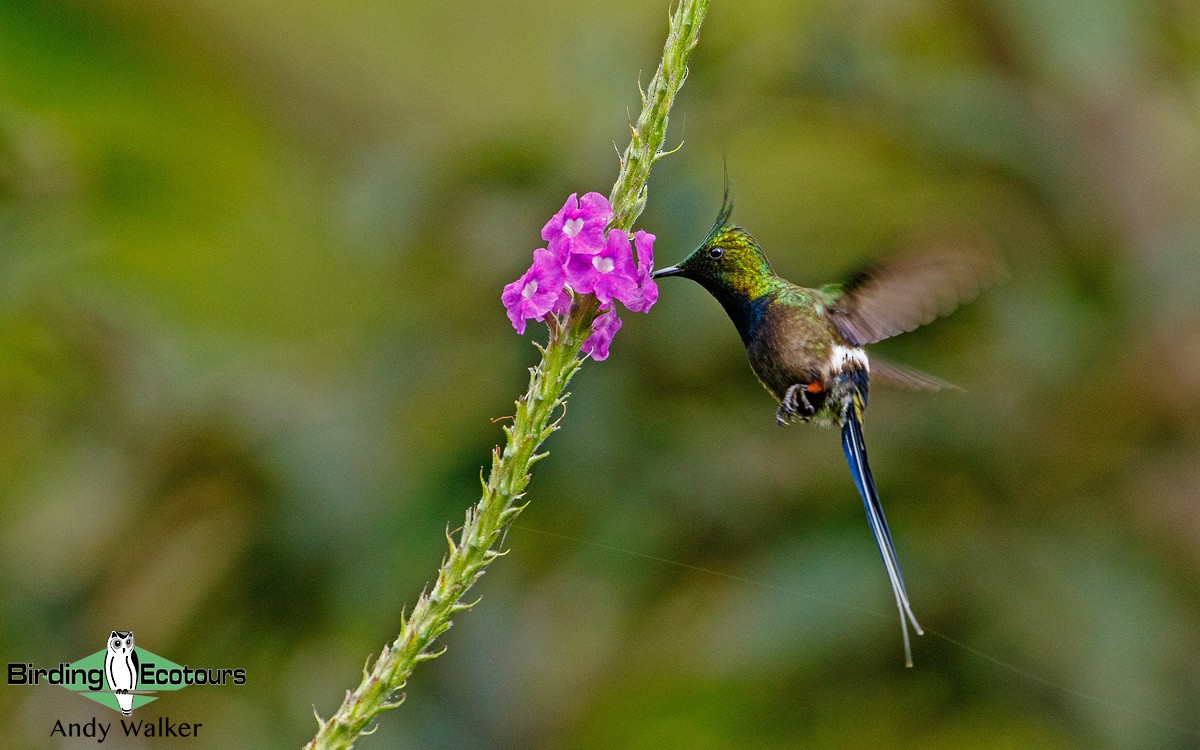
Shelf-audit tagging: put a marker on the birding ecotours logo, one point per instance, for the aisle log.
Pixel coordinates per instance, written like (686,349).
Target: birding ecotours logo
(122,675)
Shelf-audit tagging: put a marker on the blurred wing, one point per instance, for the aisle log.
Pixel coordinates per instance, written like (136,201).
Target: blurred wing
(907,377)
(901,295)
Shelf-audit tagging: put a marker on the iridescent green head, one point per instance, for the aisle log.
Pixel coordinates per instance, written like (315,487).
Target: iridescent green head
(729,261)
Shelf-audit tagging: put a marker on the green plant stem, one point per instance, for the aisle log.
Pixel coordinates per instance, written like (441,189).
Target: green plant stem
(649,133)
(477,543)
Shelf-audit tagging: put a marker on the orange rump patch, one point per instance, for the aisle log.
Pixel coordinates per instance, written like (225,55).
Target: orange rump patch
(814,388)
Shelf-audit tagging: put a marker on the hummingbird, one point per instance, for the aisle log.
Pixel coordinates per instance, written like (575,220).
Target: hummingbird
(805,345)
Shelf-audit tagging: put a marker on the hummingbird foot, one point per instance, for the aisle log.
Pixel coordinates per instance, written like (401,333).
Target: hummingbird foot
(795,406)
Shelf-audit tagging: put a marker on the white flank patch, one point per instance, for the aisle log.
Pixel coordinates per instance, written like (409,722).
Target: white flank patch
(844,355)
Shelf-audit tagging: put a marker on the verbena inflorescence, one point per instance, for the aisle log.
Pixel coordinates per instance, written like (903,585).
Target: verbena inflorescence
(573,286)
(580,259)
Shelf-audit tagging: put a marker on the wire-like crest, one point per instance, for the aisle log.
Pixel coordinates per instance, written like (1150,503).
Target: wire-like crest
(725,213)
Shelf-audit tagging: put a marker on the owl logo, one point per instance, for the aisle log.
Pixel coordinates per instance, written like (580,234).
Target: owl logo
(121,668)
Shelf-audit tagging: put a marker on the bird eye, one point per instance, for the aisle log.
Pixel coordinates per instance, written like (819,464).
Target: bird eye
(716,253)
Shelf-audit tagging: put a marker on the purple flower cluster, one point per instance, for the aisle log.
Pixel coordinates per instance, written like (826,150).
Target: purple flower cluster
(579,257)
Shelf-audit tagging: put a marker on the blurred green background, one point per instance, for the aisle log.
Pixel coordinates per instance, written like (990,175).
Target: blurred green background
(251,343)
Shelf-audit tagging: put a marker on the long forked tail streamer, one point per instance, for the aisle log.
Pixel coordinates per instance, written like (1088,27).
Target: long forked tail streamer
(856,454)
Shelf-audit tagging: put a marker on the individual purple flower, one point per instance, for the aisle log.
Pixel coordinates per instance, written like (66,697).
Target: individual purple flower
(609,273)
(603,330)
(579,226)
(563,304)
(537,292)
(647,292)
